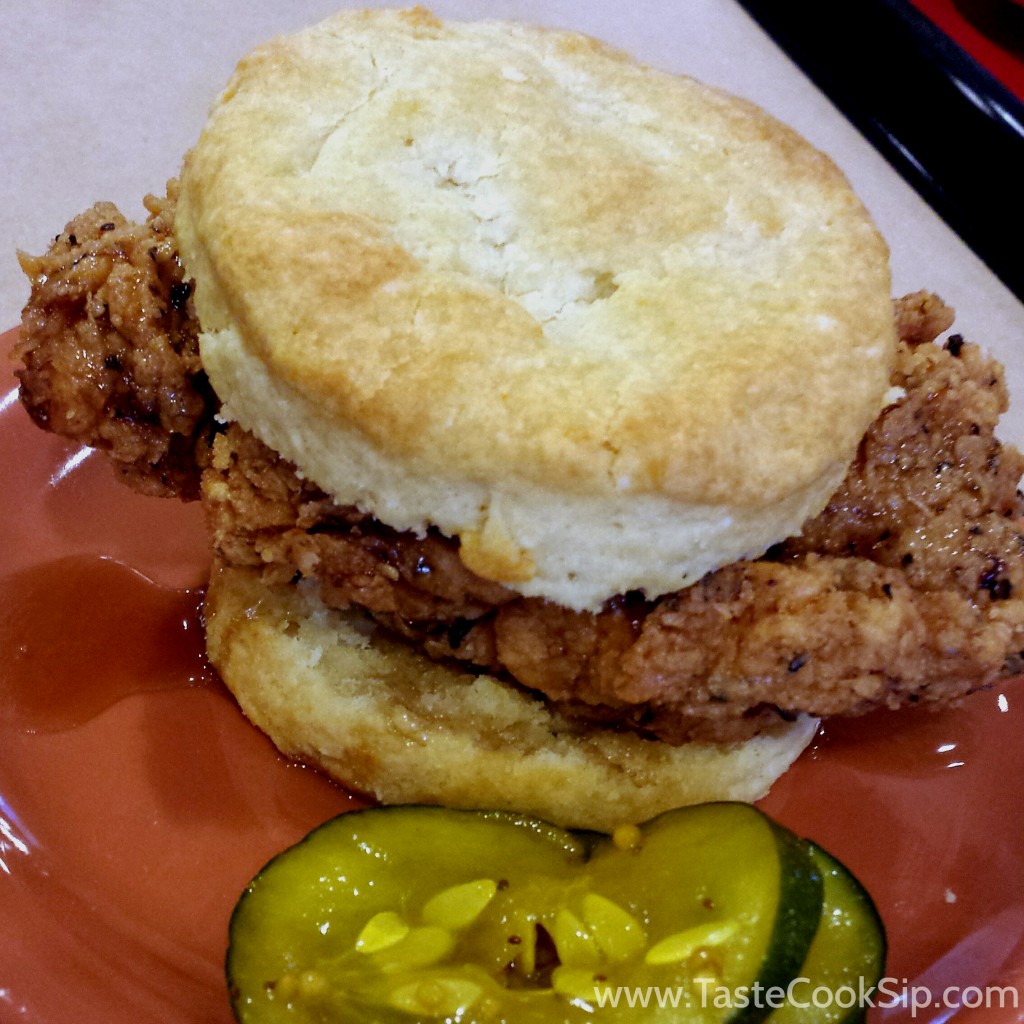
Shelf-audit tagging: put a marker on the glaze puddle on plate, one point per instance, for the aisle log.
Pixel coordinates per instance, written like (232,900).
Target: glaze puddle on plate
(80,633)
(133,811)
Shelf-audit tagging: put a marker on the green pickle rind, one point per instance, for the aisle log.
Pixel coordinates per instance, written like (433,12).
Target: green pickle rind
(796,923)
(416,913)
(848,952)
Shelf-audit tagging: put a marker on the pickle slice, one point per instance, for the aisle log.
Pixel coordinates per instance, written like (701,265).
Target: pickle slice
(411,914)
(846,959)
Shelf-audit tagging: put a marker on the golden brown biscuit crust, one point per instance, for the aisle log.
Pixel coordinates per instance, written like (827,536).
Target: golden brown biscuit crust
(384,720)
(495,276)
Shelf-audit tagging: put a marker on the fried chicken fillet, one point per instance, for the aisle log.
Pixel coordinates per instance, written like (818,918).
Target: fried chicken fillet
(908,588)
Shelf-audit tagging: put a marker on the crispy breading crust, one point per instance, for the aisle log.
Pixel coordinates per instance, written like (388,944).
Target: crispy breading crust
(908,587)
(384,720)
(110,347)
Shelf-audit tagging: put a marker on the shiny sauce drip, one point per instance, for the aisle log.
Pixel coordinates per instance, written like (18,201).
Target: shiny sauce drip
(80,633)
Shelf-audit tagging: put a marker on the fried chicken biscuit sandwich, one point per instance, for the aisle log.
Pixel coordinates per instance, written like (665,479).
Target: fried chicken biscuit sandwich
(537,393)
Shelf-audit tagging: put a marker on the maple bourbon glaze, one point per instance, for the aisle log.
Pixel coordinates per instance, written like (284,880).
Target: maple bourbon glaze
(80,633)
(136,802)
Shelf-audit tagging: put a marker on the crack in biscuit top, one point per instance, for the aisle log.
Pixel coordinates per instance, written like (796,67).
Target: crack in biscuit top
(449,156)
(511,261)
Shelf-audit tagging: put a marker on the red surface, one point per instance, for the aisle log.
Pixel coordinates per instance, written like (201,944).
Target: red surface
(997,55)
(136,802)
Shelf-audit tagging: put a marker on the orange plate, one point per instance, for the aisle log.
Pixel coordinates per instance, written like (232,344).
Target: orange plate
(136,802)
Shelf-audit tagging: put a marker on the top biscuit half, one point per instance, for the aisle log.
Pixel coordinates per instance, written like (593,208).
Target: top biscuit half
(609,327)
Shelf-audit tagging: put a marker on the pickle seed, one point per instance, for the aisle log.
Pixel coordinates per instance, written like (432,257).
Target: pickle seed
(575,944)
(421,947)
(436,997)
(616,931)
(682,945)
(459,906)
(382,931)
(526,954)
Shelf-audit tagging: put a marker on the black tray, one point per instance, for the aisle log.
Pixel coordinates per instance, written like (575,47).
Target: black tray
(945,123)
